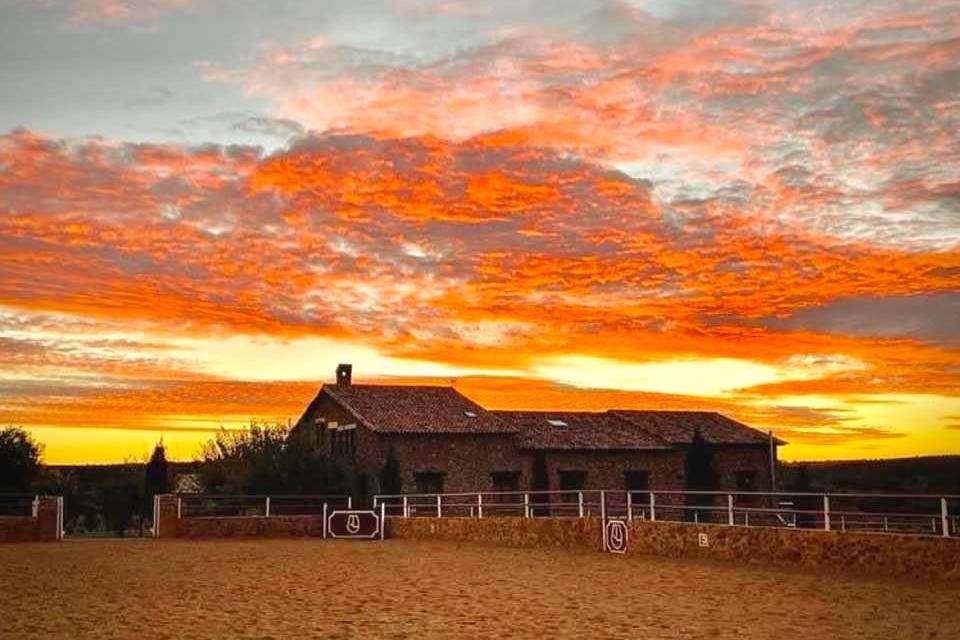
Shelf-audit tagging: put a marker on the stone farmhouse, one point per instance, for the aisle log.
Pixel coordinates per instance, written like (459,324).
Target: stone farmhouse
(445,442)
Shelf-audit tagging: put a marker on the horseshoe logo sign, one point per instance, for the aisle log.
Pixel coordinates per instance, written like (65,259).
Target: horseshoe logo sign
(353,524)
(617,536)
(357,525)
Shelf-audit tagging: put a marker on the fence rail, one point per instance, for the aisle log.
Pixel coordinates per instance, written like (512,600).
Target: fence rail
(266,506)
(19,505)
(918,514)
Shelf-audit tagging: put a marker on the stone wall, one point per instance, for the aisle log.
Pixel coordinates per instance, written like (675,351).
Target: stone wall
(170,526)
(248,527)
(925,558)
(46,526)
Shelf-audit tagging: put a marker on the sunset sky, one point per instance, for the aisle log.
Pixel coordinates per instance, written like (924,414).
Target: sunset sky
(745,206)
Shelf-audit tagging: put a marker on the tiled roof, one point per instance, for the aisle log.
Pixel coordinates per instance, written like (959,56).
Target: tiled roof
(678,427)
(415,409)
(578,430)
(625,429)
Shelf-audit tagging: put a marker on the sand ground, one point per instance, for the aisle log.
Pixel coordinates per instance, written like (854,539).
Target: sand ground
(147,589)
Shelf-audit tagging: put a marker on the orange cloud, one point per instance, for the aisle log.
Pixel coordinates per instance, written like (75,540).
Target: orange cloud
(495,251)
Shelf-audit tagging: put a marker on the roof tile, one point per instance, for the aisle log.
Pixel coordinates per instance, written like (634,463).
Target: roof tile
(416,409)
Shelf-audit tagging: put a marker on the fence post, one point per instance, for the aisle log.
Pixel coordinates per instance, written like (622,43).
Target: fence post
(179,503)
(439,507)
(580,502)
(730,509)
(383,519)
(944,517)
(60,522)
(349,502)
(526,505)
(266,509)
(479,505)
(653,512)
(603,518)
(324,527)
(156,515)
(629,506)
(826,513)
(406,508)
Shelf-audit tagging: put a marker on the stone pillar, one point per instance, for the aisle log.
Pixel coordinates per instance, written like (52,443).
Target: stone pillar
(166,522)
(49,520)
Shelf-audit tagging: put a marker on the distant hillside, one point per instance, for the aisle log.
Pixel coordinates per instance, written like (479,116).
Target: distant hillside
(932,474)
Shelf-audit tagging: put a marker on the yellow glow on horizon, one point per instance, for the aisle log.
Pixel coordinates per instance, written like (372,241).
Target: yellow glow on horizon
(690,376)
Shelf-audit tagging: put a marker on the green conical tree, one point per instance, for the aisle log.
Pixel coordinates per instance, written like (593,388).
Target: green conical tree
(390,480)
(156,479)
(540,481)
(701,475)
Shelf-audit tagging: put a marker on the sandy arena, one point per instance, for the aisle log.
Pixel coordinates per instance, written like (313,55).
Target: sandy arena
(404,589)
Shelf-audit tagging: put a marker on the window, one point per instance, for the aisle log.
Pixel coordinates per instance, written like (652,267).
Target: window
(429,481)
(556,423)
(636,481)
(746,480)
(504,481)
(470,414)
(572,481)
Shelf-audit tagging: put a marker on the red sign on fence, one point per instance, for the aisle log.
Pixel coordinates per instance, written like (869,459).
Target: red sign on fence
(355,525)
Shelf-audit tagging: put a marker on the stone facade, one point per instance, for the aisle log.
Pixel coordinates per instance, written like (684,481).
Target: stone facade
(468,462)
(437,452)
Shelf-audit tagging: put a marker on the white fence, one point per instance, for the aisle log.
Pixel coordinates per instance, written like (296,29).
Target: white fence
(265,506)
(919,514)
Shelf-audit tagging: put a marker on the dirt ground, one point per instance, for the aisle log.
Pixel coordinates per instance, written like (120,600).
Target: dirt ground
(405,589)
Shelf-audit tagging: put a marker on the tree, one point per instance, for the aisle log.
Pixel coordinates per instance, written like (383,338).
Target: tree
(19,460)
(540,481)
(805,506)
(390,480)
(701,475)
(267,459)
(121,498)
(156,479)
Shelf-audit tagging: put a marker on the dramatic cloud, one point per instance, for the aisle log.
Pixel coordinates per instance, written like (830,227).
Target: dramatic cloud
(743,206)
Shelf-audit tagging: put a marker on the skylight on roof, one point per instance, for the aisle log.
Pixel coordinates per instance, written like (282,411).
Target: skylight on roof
(470,414)
(556,423)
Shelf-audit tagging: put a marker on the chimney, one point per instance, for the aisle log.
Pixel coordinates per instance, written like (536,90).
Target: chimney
(344,375)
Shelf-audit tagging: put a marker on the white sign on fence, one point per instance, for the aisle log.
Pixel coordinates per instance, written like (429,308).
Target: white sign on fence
(356,525)
(617,536)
